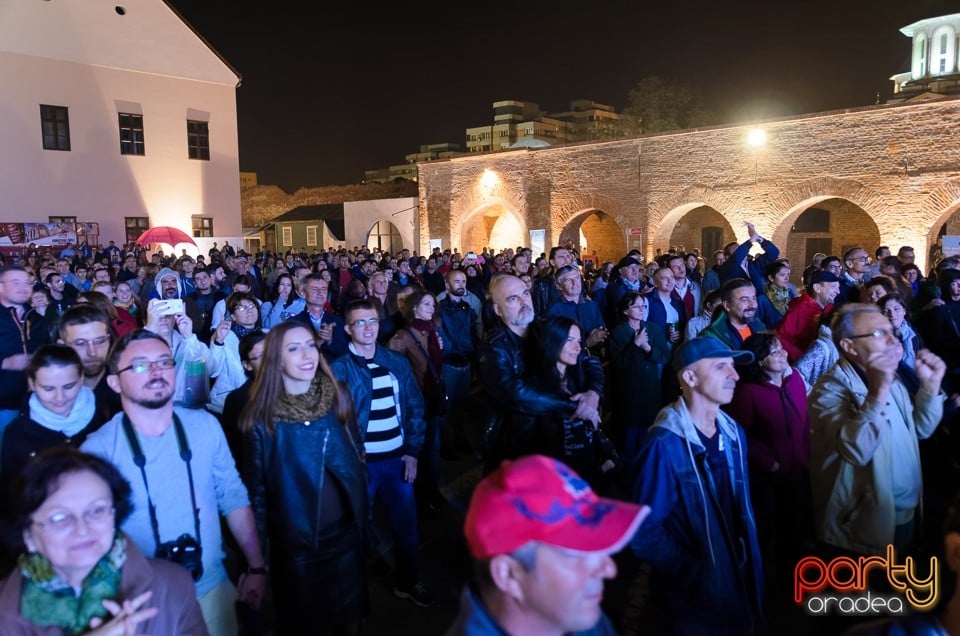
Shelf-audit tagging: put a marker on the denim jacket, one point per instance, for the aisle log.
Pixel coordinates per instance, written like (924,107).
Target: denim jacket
(710,578)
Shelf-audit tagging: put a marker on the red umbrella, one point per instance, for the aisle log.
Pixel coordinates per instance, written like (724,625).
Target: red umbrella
(165,234)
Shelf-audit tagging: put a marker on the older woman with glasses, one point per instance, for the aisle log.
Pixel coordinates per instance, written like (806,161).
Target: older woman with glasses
(243,317)
(77,573)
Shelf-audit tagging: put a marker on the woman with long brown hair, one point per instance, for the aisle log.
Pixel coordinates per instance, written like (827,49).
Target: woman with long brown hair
(421,343)
(303,466)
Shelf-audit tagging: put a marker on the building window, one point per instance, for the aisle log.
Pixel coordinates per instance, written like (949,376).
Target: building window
(198,140)
(286,234)
(131,134)
(943,50)
(55,126)
(311,235)
(135,226)
(202,226)
(921,57)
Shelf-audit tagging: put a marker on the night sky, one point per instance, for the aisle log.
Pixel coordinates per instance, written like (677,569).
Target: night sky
(330,89)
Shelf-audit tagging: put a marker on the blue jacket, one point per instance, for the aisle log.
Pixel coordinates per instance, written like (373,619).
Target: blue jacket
(694,555)
(658,315)
(352,370)
(731,267)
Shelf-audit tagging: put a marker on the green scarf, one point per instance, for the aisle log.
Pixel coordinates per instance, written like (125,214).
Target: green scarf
(49,601)
(780,298)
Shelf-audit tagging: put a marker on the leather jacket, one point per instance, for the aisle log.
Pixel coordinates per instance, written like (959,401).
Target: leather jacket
(284,473)
(505,378)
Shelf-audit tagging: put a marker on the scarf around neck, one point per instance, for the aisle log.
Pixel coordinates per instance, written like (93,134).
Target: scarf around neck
(312,405)
(48,600)
(780,298)
(71,424)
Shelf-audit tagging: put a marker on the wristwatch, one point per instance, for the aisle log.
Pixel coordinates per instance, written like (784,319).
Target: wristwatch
(258,570)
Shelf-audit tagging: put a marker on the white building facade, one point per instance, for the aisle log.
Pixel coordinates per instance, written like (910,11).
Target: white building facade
(116,114)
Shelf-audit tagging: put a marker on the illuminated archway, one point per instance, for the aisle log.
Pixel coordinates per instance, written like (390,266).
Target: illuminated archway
(385,236)
(830,225)
(597,234)
(949,224)
(702,228)
(494,226)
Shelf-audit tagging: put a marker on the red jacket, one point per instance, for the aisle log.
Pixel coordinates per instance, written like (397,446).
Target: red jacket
(799,326)
(776,422)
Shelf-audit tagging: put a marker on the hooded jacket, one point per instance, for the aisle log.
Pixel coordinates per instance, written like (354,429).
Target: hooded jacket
(709,576)
(157,289)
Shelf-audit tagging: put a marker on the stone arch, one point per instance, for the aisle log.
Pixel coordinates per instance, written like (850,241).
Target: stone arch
(703,228)
(666,214)
(820,189)
(938,211)
(494,224)
(384,235)
(845,224)
(595,231)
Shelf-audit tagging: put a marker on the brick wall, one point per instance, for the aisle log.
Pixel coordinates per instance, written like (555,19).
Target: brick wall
(896,164)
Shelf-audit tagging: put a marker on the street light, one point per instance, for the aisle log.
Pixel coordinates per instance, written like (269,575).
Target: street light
(756,139)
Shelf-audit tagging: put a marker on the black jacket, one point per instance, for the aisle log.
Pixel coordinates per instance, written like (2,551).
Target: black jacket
(286,473)
(16,338)
(504,376)
(459,332)
(338,344)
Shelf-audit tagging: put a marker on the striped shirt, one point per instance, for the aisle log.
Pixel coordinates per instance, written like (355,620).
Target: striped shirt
(384,436)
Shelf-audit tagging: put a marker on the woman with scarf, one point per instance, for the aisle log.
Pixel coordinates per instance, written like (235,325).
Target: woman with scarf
(59,411)
(777,293)
(243,317)
(124,298)
(420,342)
(303,466)
(91,581)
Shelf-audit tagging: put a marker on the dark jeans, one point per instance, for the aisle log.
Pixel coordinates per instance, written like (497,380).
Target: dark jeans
(385,478)
(457,381)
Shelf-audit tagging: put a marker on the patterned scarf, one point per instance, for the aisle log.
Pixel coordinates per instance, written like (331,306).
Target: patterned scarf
(48,600)
(780,298)
(312,405)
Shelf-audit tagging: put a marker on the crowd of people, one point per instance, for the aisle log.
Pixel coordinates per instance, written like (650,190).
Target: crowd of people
(248,417)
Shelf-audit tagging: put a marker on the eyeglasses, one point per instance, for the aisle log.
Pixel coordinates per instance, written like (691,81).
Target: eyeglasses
(63,523)
(363,322)
(245,307)
(877,334)
(96,343)
(147,365)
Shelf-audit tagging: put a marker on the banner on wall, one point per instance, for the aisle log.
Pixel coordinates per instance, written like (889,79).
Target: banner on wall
(951,245)
(538,242)
(635,238)
(39,234)
(436,244)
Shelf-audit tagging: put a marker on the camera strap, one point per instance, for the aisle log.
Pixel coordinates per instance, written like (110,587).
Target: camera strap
(141,461)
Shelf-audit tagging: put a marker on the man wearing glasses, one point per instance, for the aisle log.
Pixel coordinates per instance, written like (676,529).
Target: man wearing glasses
(389,409)
(185,490)
(856,264)
(86,329)
(865,457)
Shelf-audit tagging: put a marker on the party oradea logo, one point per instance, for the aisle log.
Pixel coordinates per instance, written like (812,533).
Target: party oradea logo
(841,586)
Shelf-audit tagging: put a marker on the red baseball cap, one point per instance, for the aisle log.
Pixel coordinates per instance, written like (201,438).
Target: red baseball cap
(537,498)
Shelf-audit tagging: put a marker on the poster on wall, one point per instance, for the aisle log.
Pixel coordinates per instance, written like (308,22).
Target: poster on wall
(40,234)
(951,245)
(436,244)
(635,238)
(538,242)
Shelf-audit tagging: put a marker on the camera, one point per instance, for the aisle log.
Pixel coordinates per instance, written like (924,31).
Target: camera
(185,551)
